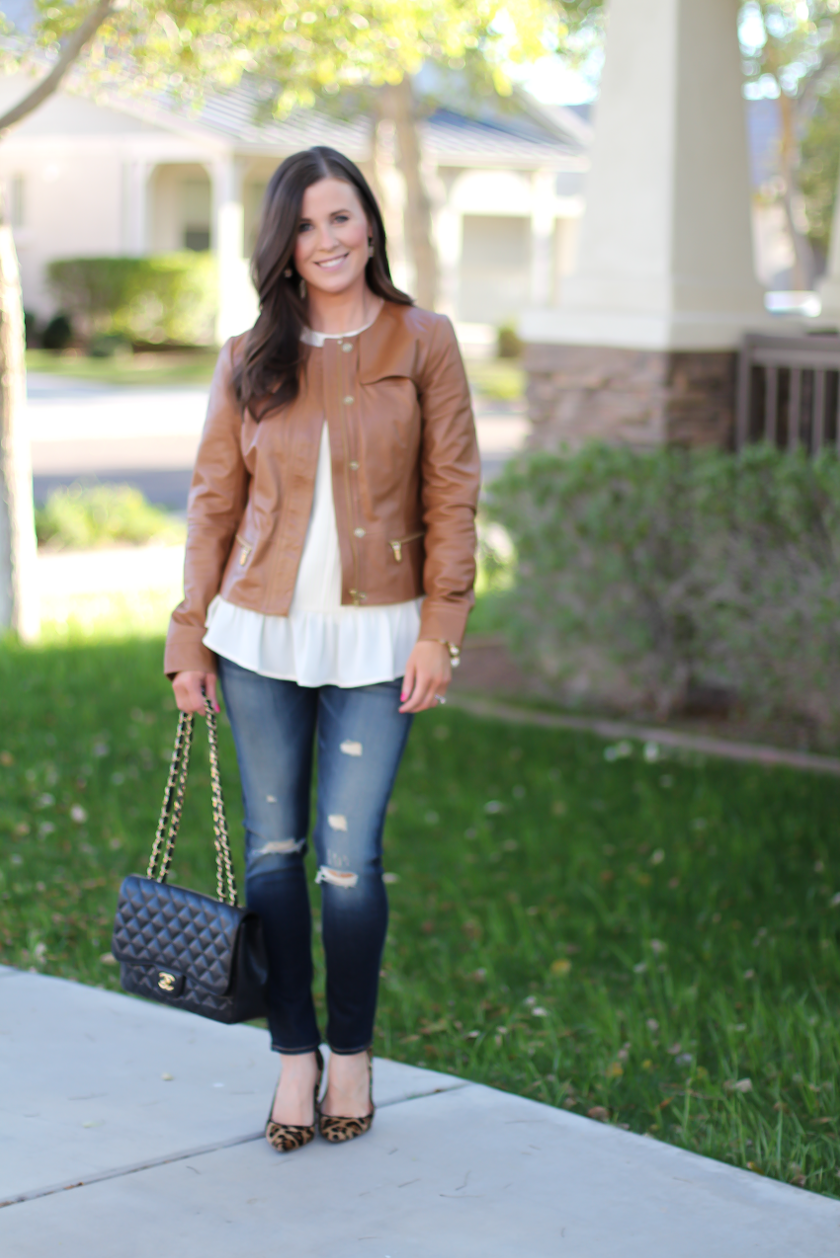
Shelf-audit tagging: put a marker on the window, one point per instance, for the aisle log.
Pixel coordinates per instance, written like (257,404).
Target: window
(197,239)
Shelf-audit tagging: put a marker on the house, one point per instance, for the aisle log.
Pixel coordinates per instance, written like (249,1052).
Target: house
(136,175)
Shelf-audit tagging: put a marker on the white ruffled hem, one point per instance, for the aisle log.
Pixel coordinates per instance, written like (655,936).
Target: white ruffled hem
(352,646)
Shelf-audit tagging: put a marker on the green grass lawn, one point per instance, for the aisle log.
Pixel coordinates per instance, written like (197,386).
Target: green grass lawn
(502,379)
(165,368)
(650,941)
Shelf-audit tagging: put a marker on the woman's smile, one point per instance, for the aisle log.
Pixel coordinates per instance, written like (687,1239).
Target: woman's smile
(331,264)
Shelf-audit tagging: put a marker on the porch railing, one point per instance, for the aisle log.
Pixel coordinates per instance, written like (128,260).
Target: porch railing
(789,392)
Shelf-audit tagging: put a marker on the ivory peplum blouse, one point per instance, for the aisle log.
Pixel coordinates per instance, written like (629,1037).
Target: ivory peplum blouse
(320,642)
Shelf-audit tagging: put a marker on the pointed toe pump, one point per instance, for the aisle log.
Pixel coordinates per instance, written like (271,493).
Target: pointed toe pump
(286,1137)
(338,1129)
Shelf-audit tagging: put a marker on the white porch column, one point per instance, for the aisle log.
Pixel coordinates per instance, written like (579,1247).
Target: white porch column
(829,285)
(448,237)
(237,300)
(665,258)
(640,348)
(542,237)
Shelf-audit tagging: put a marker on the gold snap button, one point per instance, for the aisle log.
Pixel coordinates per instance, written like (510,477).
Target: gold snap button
(353,465)
(348,401)
(347,347)
(359,532)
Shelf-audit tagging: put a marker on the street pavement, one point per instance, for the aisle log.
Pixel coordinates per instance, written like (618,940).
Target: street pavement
(148,437)
(85,432)
(129,1130)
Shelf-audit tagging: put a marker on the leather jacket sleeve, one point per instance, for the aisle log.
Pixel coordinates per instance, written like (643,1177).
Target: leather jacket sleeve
(450,482)
(217,498)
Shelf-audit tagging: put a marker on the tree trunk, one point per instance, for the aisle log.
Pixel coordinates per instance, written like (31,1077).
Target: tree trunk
(389,187)
(400,107)
(18,590)
(803,266)
(18,550)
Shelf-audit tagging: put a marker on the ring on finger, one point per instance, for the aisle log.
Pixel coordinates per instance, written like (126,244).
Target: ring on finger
(440,699)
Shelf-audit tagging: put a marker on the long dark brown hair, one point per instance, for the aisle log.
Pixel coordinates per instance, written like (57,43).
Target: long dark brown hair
(268,374)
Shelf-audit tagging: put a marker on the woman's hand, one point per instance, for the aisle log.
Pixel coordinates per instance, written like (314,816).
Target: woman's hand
(427,673)
(190,689)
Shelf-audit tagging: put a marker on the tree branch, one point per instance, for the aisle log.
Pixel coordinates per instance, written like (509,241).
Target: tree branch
(807,98)
(76,42)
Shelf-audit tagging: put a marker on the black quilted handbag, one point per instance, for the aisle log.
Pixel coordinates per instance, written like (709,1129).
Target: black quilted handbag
(181,947)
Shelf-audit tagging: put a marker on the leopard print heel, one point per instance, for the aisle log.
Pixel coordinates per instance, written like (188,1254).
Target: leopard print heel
(286,1137)
(337,1129)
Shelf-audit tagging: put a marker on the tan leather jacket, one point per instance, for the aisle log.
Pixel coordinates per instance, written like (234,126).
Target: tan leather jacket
(406,476)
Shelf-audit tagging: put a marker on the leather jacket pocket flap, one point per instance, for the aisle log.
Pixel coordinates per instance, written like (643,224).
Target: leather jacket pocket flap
(389,363)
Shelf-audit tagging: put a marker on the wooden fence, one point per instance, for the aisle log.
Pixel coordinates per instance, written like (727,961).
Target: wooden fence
(789,392)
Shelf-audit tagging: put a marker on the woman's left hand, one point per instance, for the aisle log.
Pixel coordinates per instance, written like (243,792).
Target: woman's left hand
(427,676)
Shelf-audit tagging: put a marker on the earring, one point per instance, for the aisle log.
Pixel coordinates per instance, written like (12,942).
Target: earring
(302,290)
(370,248)
(288,272)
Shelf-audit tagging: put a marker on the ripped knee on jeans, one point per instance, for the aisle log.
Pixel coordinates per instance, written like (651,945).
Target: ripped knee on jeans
(336,877)
(263,857)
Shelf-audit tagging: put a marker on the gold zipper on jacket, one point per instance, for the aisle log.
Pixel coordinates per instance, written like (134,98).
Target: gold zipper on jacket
(397,546)
(245,552)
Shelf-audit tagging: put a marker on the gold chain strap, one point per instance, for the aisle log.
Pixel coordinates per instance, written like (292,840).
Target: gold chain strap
(173,801)
(224,864)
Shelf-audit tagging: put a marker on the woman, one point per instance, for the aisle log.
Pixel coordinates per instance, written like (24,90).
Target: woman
(328,579)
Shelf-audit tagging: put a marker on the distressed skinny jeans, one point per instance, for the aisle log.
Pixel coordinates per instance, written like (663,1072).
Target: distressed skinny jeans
(361,736)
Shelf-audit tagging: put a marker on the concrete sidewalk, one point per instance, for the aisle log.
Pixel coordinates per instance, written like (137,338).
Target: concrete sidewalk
(130,1130)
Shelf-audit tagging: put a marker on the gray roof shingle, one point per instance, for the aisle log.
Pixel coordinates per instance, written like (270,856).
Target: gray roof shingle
(452,138)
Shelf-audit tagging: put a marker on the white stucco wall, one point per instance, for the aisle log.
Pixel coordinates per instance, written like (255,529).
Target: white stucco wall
(73,161)
(60,218)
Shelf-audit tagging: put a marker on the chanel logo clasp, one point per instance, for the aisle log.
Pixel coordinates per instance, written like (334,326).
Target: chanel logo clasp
(166,982)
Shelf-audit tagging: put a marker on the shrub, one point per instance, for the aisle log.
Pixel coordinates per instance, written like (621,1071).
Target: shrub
(645,578)
(169,297)
(108,345)
(81,517)
(31,329)
(508,344)
(58,333)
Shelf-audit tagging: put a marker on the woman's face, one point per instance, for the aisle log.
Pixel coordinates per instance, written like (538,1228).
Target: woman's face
(332,243)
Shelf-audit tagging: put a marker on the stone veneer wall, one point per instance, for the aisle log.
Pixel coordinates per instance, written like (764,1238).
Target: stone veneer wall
(634,397)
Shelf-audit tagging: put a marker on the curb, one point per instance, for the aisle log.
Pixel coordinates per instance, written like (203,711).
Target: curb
(749,753)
